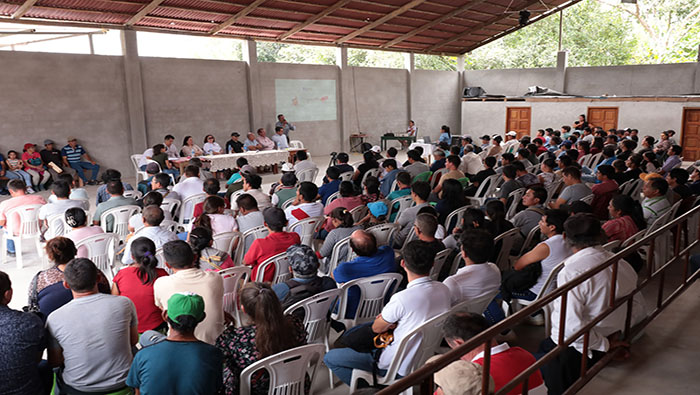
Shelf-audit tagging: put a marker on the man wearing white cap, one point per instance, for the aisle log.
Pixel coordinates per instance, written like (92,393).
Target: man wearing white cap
(511,143)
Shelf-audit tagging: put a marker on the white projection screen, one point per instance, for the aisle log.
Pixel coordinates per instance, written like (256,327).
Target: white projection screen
(306,100)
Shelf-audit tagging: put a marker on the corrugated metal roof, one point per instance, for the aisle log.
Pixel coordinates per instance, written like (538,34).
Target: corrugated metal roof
(435,26)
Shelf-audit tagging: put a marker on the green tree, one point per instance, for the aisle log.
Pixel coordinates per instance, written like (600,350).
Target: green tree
(435,62)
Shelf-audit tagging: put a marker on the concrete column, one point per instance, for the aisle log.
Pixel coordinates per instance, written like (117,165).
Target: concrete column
(460,91)
(410,64)
(250,56)
(562,58)
(344,96)
(137,137)
(697,74)
(460,63)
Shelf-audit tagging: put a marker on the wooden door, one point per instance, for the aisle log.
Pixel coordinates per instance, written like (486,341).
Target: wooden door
(605,117)
(691,134)
(518,120)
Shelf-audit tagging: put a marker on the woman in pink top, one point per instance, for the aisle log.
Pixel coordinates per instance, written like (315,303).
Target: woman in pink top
(213,217)
(34,166)
(347,199)
(77,220)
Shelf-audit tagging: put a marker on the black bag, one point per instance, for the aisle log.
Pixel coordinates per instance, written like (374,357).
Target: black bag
(520,280)
(360,338)
(299,291)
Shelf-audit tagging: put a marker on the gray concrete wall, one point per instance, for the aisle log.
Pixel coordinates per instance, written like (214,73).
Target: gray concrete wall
(510,82)
(194,97)
(652,79)
(434,95)
(54,96)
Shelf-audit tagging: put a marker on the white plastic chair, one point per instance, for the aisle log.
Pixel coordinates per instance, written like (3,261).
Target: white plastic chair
(588,199)
(133,194)
(140,175)
(171,208)
(187,210)
(57,226)
(332,198)
(594,160)
(247,238)
(234,279)
(296,144)
(404,202)
(287,370)
(476,305)
(454,216)
(307,228)
(374,291)
(613,245)
(307,175)
(371,173)
(340,253)
(424,340)
(101,250)
(435,178)
(287,203)
(226,240)
(359,212)
(486,190)
(583,161)
(347,176)
(513,200)
(120,220)
(507,240)
(169,225)
(29,228)
(316,315)
(439,262)
(552,189)
(534,233)
(384,233)
(549,285)
(282,270)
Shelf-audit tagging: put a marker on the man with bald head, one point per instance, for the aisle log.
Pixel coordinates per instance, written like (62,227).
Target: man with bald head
(153,216)
(371,260)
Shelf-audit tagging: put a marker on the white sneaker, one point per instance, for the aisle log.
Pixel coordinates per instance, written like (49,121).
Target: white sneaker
(31,190)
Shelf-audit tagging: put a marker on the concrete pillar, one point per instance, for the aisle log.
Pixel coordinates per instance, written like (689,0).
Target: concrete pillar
(562,58)
(344,96)
(460,63)
(137,138)
(410,64)
(697,74)
(460,91)
(250,56)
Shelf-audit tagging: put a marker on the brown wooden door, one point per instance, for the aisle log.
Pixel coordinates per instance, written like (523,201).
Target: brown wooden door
(605,117)
(518,120)
(691,134)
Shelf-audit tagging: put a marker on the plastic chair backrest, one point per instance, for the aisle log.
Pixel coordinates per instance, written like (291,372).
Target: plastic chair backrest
(370,173)
(171,208)
(135,159)
(373,292)
(635,238)
(120,216)
(359,212)
(404,202)
(287,370)
(57,226)
(553,189)
(612,245)
(439,262)
(435,179)
(394,186)
(169,225)
(28,218)
(346,176)
(384,233)
(507,239)
(424,176)
(332,198)
(247,238)
(340,253)
(133,194)
(475,305)
(660,221)
(234,278)
(282,270)
(307,175)
(307,228)
(487,187)
(287,203)
(454,216)
(101,251)
(588,199)
(296,144)
(595,159)
(187,207)
(316,314)
(583,161)
(532,235)
(513,200)
(225,241)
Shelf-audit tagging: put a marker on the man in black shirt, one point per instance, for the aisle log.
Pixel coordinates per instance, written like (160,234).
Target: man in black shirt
(234,146)
(52,155)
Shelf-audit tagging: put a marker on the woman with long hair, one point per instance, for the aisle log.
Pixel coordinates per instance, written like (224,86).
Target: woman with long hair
(46,291)
(370,162)
(213,217)
(270,332)
(189,148)
(597,146)
(210,258)
(626,218)
(343,226)
(651,162)
(451,198)
(136,283)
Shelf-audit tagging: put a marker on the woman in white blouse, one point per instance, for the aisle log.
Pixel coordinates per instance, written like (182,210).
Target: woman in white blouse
(211,147)
(189,148)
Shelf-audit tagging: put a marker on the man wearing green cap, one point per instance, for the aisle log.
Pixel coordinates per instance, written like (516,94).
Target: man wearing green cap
(179,363)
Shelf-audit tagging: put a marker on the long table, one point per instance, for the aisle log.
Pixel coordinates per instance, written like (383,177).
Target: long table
(384,139)
(255,159)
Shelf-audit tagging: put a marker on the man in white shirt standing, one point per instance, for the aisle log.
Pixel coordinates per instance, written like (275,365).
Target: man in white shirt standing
(153,216)
(478,277)
(304,205)
(586,301)
(422,300)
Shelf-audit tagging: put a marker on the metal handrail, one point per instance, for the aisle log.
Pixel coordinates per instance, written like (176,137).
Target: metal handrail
(424,375)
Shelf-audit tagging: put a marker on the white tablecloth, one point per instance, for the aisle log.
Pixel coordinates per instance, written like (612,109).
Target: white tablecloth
(255,159)
(427,148)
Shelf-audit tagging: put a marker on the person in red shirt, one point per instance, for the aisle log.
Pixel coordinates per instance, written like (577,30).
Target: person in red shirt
(506,362)
(275,243)
(604,191)
(136,283)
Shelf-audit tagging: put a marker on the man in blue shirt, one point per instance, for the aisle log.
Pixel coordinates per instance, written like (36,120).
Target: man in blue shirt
(73,154)
(180,363)
(370,261)
(330,187)
(439,161)
(389,166)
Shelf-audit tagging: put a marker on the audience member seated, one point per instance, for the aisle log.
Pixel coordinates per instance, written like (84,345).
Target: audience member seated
(211,147)
(188,277)
(655,203)
(210,258)
(546,177)
(650,164)
(77,219)
(588,299)
(189,148)
(486,172)
(251,186)
(343,226)
(153,216)
(523,177)
(451,198)
(286,191)
(270,332)
(107,176)
(23,340)
(471,162)
(478,277)
(235,182)
(331,185)
(451,164)
(54,164)
(370,261)
(304,205)
(179,362)
(626,218)
(416,165)
(251,143)
(160,183)
(280,139)
(19,198)
(403,181)
(191,185)
(438,160)
(575,190)
(46,291)
(265,142)
(523,156)
(510,184)
(389,176)
(506,362)
(460,378)
(420,191)
(306,282)
(676,179)
(695,184)
(249,216)
(303,162)
(151,199)
(633,164)
(73,154)
(422,300)
(233,146)
(342,163)
(211,187)
(93,329)
(673,160)
(75,193)
(370,162)
(497,223)
(135,281)
(348,200)
(376,215)
(275,243)
(370,190)
(146,185)
(14,170)
(160,156)
(213,217)
(61,203)
(528,219)
(426,227)
(603,191)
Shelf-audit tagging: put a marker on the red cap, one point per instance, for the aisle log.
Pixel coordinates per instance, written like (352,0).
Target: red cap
(28,146)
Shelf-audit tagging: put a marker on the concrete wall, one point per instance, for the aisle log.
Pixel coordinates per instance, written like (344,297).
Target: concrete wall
(434,94)
(510,82)
(656,79)
(54,96)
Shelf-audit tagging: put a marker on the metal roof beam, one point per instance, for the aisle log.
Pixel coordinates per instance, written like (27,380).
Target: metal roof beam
(144,11)
(381,20)
(240,14)
(314,19)
(23,9)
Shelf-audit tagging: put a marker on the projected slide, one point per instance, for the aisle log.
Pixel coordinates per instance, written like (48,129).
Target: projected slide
(306,100)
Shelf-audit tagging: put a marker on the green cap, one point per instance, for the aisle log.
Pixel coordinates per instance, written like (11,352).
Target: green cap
(186,303)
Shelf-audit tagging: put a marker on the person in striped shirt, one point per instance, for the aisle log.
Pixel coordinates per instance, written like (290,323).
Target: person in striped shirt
(655,203)
(73,154)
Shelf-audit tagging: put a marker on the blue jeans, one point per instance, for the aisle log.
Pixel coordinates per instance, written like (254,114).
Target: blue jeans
(343,360)
(494,313)
(20,174)
(80,167)
(10,244)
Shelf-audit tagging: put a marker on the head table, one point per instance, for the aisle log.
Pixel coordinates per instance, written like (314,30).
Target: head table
(255,159)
